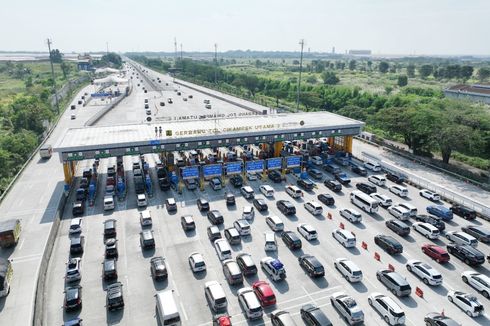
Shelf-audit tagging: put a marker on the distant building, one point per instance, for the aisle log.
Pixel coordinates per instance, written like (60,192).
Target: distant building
(360,52)
(476,93)
(84,62)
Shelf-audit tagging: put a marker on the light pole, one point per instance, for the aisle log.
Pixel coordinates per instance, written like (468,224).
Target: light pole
(302,43)
(52,76)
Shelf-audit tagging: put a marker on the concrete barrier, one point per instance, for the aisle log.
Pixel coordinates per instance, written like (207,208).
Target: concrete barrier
(96,117)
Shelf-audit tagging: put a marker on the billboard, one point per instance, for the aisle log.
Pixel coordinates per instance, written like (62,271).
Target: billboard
(255,166)
(190,172)
(233,167)
(213,170)
(293,161)
(274,163)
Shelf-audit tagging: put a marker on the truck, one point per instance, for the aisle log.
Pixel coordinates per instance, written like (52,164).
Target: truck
(46,151)
(9,233)
(92,187)
(139,185)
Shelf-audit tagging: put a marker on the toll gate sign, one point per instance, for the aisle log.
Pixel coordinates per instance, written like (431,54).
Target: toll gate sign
(255,166)
(274,163)
(213,170)
(233,168)
(190,172)
(293,161)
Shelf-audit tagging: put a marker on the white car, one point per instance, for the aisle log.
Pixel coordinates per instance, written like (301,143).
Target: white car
(275,223)
(223,249)
(344,237)
(399,190)
(466,302)
(141,199)
(251,176)
(307,231)
(462,238)
(145,218)
(428,274)
(399,212)
(267,190)
(348,269)
(427,230)
(247,192)
(347,307)
(430,195)
(313,207)
(196,262)
(351,215)
(108,203)
(249,303)
(383,200)
(242,226)
(411,208)
(317,160)
(377,180)
(372,166)
(387,308)
(294,191)
(479,282)
(248,212)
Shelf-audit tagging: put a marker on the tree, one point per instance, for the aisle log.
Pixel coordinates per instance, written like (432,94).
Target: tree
(402,81)
(466,72)
(28,82)
(369,64)
(330,78)
(352,65)
(483,73)
(383,67)
(65,69)
(388,90)
(56,56)
(112,58)
(411,70)
(311,79)
(425,71)
(295,62)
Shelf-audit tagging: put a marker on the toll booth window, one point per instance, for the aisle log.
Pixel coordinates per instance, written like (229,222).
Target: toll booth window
(168,133)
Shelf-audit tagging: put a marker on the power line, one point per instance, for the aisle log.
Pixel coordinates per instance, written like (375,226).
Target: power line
(52,76)
(302,43)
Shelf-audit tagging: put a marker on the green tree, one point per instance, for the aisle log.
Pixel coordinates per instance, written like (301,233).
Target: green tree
(330,78)
(112,58)
(383,67)
(483,73)
(426,70)
(56,56)
(65,69)
(388,90)
(466,72)
(402,81)
(369,64)
(352,65)
(411,70)
(28,82)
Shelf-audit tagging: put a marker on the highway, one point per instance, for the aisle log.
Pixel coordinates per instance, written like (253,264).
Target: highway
(175,245)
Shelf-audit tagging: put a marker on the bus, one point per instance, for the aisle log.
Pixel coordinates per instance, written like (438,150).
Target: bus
(364,201)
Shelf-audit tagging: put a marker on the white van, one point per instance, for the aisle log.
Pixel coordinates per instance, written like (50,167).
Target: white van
(387,308)
(242,226)
(313,207)
(427,230)
(108,203)
(215,295)
(223,249)
(412,209)
(461,238)
(247,192)
(275,223)
(373,166)
(142,200)
(344,237)
(294,191)
(167,308)
(46,151)
(377,180)
(399,190)
(270,241)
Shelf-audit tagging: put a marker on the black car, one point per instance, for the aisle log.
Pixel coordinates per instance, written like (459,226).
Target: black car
(110,228)
(158,268)
(215,217)
(366,188)
(315,174)
(311,265)
(388,244)
(164,184)
(230,199)
(260,204)
(275,176)
(81,194)
(432,220)
(291,240)
(398,227)
(109,269)
(464,212)
(481,233)
(73,298)
(286,207)
(326,199)
(314,316)
(78,208)
(305,184)
(333,185)
(202,204)
(437,319)
(468,254)
(399,179)
(114,297)
(359,170)
(77,244)
(246,264)
(111,248)
(236,181)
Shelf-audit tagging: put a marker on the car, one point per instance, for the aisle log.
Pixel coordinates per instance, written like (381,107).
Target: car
(383,200)
(342,177)
(73,270)
(242,226)
(114,297)
(398,227)
(145,218)
(170,204)
(251,176)
(333,185)
(73,115)
(359,170)
(388,244)
(275,176)
(275,223)
(273,268)
(111,248)
(291,240)
(187,223)
(469,255)
(75,226)
(215,184)
(73,322)
(387,308)
(77,244)
(248,212)
(466,302)
(348,269)
(464,212)
(326,199)
(215,217)
(344,237)
(294,191)
(315,174)
(440,211)
(147,241)
(73,298)
(223,249)
(202,205)
(461,238)
(236,180)
(207,106)
(286,207)
(158,268)
(316,160)
(366,188)
(394,282)
(249,303)
(435,252)
(430,195)
(313,207)
(377,180)
(347,307)
(311,265)
(479,232)
(373,166)
(427,230)
(247,192)
(267,190)
(307,231)
(478,281)
(196,262)
(305,184)
(412,209)
(162,103)
(213,233)
(428,274)
(233,236)
(246,264)
(438,319)
(109,269)
(314,316)
(399,179)
(260,204)
(432,220)
(264,293)
(229,198)
(78,208)
(351,215)
(399,212)
(141,200)
(399,190)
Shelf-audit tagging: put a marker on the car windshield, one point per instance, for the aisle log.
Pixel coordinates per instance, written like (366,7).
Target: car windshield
(397,314)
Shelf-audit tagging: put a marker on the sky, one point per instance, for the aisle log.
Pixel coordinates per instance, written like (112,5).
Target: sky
(413,27)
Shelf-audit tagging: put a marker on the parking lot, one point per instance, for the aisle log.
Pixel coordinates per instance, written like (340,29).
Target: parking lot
(298,288)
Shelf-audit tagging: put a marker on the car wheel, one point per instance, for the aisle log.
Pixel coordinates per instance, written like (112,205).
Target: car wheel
(469,313)
(466,261)
(484,293)
(465,279)
(387,320)
(426,281)
(439,261)
(450,299)
(370,302)
(427,236)
(447,236)
(393,291)
(378,277)
(336,267)
(409,268)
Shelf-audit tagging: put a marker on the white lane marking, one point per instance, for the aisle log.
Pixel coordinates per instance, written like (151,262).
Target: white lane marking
(308,294)
(311,294)
(25,259)
(183,311)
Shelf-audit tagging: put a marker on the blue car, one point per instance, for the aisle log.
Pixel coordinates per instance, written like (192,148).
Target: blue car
(439,210)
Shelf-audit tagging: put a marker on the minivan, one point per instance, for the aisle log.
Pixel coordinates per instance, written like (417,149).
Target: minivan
(377,180)
(77,244)
(313,207)
(462,238)
(167,308)
(242,226)
(373,166)
(396,283)
(426,229)
(232,272)
(275,223)
(387,308)
(108,203)
(294,191)
(315,174)
(247,192)
(344,237)
(332,168)
(223,249)
(232,235)
(110,228)
(142,200)
(215,295)
(270,241)
(398,227)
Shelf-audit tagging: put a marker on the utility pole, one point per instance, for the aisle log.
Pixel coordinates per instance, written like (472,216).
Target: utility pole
(302,43)
(216,62)
(181,52)
(175,47)
(107,47)
(52,76)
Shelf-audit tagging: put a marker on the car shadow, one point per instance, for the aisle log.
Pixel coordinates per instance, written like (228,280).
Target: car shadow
(320,282)
(147,253)
(440,289)
(400,258)
(251,279)
(482,320)
(114,317)
(377,217)
(190,233)
(159,285)
(2,303)
(354,251)
(71,315)
(315,242)
(247,238)
(409,238)
(281,286)
(236,247)
(359,225)
(200,275)
(359,287)
(408,301)
(448,266)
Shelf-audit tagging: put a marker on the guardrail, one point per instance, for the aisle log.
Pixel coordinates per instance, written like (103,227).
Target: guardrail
(96,117)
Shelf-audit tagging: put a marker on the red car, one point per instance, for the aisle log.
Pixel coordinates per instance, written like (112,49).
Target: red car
(435,252)
(264,293)
(222,320)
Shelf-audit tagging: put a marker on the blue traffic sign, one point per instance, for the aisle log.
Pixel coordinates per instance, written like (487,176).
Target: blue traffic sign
(274,163)
(213,170)
(255,166)
(154,142)
(190,172)
(233,167)
(293,161)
